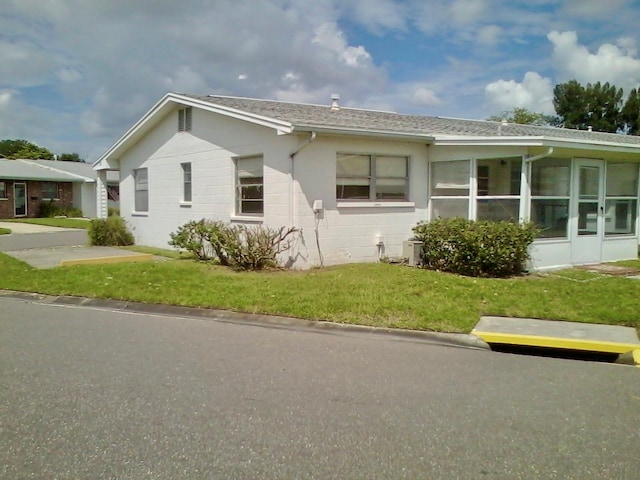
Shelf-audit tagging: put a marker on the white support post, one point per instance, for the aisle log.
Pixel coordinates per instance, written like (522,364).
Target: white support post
(102,199)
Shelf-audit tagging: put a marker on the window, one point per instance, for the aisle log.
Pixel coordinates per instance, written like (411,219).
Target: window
(621,203)
(184,119)
(249,186)
(50,191)
(498,181)
(3,190)
(186,182)
(450,188)
(550,187)
(371,177)
(113,193)
(141,190)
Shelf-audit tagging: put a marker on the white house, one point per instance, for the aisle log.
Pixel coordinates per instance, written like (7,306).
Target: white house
(356,181)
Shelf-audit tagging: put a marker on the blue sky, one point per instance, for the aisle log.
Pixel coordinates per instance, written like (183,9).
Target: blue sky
(76,74)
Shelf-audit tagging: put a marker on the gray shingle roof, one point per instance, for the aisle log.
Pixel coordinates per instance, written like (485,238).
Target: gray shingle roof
(20,170)
(320,116)
(51,171)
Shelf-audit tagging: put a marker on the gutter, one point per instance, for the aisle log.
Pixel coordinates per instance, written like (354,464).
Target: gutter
(416,137)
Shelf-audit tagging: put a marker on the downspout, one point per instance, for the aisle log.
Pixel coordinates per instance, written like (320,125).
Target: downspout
(539,157)
(293,204)
(292,197)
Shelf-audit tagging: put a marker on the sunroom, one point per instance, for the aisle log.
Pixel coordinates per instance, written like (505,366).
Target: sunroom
(587,209)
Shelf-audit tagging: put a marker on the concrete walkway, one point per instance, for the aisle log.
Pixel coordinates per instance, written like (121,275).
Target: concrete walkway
(583,337)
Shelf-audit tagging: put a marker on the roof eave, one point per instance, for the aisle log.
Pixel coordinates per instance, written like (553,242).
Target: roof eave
(537,141)
(416,137)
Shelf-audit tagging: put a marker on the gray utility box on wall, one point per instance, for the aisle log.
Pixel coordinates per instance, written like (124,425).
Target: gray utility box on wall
(411,251)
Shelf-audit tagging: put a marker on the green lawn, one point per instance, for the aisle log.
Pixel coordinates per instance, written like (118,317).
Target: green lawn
(367,294)
(5,231)
(54,222)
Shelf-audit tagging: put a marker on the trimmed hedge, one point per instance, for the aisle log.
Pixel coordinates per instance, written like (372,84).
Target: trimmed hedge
(475,248)
(110,231)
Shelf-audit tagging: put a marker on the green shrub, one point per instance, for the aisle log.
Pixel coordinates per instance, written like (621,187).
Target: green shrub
(111,231)
(47,209)
(258,247)
(475,248)
(194,238)
(238,246)
(50,209)
(113,211)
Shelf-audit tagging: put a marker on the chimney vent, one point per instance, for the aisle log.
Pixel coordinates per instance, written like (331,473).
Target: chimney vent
(335,99)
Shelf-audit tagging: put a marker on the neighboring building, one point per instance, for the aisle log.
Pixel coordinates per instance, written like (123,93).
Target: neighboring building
(25,184)
(356,181)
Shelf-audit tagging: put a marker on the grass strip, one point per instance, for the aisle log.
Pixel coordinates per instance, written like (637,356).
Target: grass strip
(366,294)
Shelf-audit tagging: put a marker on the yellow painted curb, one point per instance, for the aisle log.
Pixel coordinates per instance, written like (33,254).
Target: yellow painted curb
(141,257)
(558,342)
(636,357)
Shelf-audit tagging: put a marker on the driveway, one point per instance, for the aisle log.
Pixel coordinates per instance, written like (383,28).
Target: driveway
(46,247)
(26,236)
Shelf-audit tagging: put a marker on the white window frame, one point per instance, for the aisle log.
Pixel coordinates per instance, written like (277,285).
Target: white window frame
(140,186)
(373,177)
(467,197)
(187,182)
(46,195)
(185,119)
(627,198)
(478,197)
(563,198)
(242,173)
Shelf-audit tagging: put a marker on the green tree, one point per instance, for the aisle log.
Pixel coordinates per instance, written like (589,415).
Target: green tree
(23,149)
(569,100)
(597,105)
(70,157)
(630,115)
(524,116)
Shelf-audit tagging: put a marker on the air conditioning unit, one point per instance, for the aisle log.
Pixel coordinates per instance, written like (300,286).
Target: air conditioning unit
(411,251)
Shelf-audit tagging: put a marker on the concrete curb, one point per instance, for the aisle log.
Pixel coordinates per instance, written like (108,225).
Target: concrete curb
(448,339)
(140,257)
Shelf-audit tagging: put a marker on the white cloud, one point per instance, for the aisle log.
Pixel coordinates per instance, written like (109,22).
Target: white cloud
(426,97)
(377,15)
(467,11)
(69,75)
(534,93)
(594,8)
(5,99)
(490,35)
(609,63)
(329,37)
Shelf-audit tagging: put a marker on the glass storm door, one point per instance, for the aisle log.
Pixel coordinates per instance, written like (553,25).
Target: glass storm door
(588,212)
(20,199)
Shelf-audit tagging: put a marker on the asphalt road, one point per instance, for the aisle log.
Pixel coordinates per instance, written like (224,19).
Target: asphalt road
(88,393)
